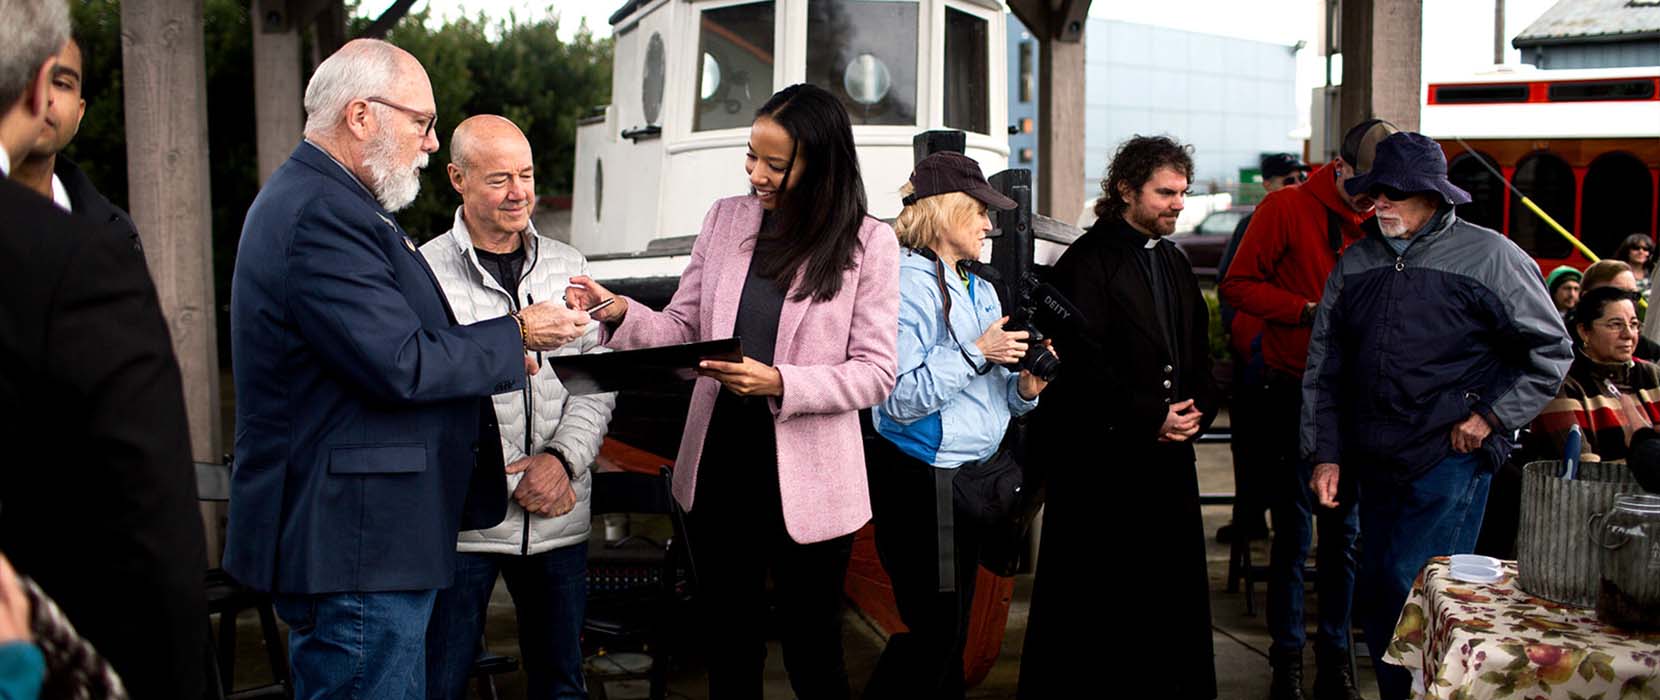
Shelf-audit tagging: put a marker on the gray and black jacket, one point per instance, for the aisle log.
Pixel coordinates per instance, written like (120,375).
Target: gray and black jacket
(1406,346)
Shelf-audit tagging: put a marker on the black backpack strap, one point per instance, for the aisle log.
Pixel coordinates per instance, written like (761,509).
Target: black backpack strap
(1334,233)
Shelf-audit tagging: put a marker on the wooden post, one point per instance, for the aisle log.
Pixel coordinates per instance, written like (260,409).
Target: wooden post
(1061,173)
(279,111)
(1382,61)
(1059,27)
(167,174)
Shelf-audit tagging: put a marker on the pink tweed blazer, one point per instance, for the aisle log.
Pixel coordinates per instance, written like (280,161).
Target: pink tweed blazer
(836,357)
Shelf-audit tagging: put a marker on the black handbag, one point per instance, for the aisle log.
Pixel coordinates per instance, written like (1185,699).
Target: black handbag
(1000,498)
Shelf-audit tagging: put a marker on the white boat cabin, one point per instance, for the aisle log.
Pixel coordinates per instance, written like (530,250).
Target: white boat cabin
(688,76)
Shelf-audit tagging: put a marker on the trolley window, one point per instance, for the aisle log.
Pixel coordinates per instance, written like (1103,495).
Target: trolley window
(1601,90)
(1480,94)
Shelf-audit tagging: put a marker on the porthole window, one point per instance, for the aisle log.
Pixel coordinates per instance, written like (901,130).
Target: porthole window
(710,83)
(651,88)
(866,79)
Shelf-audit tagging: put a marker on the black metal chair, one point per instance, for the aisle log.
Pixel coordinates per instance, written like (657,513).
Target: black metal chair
(486,667)
(635,585)
(227,599)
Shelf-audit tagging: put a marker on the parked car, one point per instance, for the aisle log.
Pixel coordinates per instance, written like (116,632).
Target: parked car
(1205,243)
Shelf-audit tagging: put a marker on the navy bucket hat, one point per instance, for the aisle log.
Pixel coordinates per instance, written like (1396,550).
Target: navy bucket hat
(1410,162)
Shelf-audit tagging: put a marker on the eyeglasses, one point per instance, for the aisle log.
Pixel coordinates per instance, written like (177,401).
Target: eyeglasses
(1616,325)
(425,120)
(1390,193)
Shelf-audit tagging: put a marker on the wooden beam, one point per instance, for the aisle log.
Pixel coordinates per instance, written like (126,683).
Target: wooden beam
(301,13)
(1061,173)
(387,20)
(1059,27)
(1382,44)
(331,31)
(167,175)
(279,114)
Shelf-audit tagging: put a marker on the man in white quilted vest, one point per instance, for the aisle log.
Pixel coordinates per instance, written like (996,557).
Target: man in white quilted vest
(492,262)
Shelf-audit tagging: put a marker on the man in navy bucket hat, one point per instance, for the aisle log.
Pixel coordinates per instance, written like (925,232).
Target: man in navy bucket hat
(1434,341)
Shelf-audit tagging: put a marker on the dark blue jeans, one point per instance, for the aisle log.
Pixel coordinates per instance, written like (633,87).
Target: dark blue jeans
(1296,514)
(357,645)
(1403,525)
(550,595)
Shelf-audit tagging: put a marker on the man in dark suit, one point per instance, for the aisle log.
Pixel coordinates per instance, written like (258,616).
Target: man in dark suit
(359,399)
(46,170)
(97,496)
(1134,385)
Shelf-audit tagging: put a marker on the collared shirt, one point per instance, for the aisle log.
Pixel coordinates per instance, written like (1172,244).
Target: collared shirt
(60,196)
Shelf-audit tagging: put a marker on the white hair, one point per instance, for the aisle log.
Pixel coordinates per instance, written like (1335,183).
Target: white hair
(360,69)
(32,32)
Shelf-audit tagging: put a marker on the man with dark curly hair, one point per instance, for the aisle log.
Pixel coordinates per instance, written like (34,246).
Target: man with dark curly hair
(1135,385)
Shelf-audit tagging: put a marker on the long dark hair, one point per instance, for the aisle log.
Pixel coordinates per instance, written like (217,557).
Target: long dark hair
(819,216)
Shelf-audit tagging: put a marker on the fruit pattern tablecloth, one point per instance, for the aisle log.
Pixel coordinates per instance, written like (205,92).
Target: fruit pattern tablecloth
(1464,641)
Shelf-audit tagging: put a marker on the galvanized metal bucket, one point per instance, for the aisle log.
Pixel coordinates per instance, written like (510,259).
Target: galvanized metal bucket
(1555,557)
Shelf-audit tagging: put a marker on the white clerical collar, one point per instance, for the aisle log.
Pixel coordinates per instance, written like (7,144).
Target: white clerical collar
(5,163)
(60,196)
(1152,242)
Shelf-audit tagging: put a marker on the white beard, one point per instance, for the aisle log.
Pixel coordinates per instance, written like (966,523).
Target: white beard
(395,187)
(1393,228)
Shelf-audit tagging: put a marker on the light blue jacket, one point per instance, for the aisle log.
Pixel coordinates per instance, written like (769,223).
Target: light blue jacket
(942,410)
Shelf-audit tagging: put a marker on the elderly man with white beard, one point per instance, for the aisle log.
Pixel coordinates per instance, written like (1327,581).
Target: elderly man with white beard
(1434,341)
(361,403)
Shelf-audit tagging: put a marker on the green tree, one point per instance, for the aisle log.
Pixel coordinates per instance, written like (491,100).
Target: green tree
(524,73)
(520,70)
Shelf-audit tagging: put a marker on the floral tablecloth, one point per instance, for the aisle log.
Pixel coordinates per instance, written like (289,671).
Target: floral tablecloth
(1463,641)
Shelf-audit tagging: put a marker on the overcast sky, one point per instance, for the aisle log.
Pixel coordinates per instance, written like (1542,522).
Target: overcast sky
(1457,34)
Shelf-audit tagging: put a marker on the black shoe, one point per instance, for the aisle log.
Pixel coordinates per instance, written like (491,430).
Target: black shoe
(1288,676)
(1334,679)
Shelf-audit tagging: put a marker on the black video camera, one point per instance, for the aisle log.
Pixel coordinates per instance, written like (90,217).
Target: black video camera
(1033,306)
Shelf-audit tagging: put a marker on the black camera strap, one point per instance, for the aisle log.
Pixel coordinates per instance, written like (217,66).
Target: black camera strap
(945,301)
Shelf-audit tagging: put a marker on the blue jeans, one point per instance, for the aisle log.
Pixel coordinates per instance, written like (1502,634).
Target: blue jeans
(1402,525)
(1296,513)
(550,595)
(357,645)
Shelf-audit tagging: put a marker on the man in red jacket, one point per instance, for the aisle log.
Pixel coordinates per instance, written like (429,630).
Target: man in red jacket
(1293,242)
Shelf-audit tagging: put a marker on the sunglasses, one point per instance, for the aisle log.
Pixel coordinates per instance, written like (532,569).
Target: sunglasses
(1390,194)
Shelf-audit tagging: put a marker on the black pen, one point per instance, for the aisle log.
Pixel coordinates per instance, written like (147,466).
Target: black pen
(531,301)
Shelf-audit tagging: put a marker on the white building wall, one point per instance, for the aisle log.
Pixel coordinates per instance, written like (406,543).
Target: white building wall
(1231,99)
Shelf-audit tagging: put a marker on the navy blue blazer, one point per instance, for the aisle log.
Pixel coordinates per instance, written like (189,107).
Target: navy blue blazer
(358,398)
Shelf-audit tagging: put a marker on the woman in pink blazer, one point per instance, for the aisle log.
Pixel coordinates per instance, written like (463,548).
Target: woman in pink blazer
(771,464)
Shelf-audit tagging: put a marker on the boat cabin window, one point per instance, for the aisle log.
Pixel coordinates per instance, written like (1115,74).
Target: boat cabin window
(864,52)
(966,68)
(1549,182)
(1487,192)
(735,76)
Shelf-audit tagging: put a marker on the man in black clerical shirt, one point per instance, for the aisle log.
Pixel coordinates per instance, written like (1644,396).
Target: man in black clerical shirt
(1136,386)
